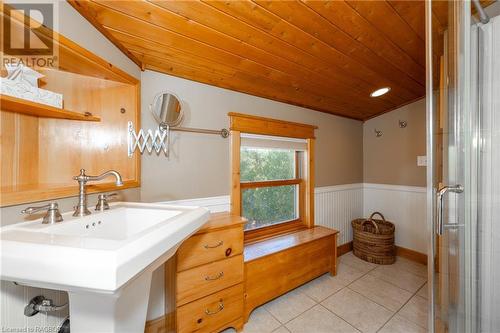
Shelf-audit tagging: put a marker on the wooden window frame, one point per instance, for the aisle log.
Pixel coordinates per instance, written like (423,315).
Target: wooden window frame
(241,123)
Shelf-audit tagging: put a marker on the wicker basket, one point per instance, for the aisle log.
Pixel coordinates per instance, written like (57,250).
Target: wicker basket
(374,240)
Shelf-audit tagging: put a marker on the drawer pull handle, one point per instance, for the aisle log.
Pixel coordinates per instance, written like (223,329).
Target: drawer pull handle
(220,243)
(218,276)
(221,307)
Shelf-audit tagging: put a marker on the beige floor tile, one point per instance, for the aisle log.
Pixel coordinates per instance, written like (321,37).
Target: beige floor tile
(322,287)
(381,292)
(424,291)
(357,310)
(353,261)
(348,273)
(289,306)
(261,321)
(399,324)
(319,320)
(399,277)
(411,266)
(416,311)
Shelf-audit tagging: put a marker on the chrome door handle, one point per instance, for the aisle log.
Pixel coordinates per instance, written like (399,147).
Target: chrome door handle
(440,195)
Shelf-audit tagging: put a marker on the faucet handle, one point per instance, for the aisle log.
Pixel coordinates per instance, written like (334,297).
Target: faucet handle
(102,201)
(53,215)
(109,196)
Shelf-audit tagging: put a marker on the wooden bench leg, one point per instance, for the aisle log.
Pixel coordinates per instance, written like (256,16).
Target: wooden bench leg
(333,270)
(238,326)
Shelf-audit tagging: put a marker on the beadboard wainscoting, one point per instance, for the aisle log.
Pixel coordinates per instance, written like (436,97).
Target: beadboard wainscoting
(13,299)
(405,206)
(336,206)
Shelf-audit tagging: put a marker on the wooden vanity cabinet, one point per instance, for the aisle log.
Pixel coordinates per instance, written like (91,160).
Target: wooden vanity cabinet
(209,277)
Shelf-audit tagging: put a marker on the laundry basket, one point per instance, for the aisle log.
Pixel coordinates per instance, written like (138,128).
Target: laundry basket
(373,240)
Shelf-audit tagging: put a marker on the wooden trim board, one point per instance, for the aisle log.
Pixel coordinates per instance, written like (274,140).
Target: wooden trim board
(235,173)
(344,248)
(411,255)
(266,126)
(243,123)
(269,183)
(309,185)
(279,229)
(157,325)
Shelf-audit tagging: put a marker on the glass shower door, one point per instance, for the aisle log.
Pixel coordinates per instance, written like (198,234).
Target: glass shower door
(452,120)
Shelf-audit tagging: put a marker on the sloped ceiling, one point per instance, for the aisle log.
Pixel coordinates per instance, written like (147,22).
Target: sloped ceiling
(325,55)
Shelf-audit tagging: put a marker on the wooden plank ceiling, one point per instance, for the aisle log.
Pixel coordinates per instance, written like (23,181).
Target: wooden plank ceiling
(325,55)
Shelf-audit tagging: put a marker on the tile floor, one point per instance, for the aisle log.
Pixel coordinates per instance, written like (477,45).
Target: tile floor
(363,297)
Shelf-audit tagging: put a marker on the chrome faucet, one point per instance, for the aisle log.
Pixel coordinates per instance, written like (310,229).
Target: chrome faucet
(81,209)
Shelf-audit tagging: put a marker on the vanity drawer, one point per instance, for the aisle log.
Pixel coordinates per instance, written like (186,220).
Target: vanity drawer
(204,280)
(208,247)
(212,312)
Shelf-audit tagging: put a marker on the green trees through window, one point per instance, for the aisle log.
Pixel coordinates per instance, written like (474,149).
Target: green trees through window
(264,206)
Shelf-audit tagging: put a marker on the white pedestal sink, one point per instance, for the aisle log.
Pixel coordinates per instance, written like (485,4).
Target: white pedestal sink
(104,261)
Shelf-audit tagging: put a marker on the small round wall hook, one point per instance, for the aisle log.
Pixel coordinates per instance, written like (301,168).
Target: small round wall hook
(224,133)
(403,124)
(378,133)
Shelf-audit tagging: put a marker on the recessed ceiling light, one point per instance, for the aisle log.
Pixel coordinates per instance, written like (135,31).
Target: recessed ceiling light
(380,92)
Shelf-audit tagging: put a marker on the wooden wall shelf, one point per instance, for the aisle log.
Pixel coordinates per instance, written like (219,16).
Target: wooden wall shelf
(40,152)
(18,105)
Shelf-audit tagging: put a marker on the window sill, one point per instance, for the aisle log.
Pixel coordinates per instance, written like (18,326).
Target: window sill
(257,235)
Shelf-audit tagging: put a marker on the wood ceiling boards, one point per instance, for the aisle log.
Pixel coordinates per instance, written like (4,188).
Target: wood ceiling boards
(324,55)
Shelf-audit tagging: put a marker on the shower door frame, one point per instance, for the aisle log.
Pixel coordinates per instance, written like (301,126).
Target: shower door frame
(464,138)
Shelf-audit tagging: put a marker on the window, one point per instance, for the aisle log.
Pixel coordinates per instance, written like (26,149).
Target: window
(257,164)
(270,186)
(272,175)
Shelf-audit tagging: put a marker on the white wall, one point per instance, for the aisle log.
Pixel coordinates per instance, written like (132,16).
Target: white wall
(405,206)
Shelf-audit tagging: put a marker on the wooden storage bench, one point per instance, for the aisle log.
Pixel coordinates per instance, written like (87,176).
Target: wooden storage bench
(278,265)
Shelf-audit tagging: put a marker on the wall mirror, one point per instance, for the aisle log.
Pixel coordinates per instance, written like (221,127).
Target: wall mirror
(167,109)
